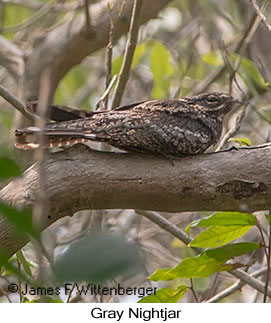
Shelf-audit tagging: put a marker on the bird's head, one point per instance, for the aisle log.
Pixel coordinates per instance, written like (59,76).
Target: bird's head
(221,103)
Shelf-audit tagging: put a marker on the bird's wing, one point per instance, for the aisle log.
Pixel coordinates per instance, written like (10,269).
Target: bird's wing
(131,106)
(58,112)
(170,106)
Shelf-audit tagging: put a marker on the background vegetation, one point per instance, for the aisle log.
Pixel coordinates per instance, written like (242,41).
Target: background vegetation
(188,48)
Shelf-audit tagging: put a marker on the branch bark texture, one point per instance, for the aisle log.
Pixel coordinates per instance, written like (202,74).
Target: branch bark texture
(80,178)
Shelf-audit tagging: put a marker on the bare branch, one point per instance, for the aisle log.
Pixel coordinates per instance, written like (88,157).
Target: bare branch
(33,19)
(88,27)
(233,129)
(129,54)
(268,261)
(109,50)
(166,225)
(235,287)
(239,48)
(41,204)
(104,97)
(16,103)
(261,15)
(250,280)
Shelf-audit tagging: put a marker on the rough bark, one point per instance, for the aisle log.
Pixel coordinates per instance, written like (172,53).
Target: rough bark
(80,178)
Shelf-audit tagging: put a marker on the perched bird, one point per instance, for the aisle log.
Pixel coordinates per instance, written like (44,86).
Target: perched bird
(166,127)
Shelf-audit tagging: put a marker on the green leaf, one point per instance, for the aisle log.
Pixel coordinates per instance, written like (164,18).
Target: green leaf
(224,219)
(206,264)
(213,58)
(71,83)
(165,295)
(138,54)
(116,65)
(6,118)
(24,263)
(20,219)
(96,257)
(218,235)
(11,269)
(161,69)
(268,218)
(249,72)
(8,168)
(241,141)
(15,15)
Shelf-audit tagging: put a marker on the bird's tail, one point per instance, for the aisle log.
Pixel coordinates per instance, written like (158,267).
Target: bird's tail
(29,138)
(54,136)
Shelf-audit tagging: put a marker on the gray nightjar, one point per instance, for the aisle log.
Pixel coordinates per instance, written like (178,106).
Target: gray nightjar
(166,127)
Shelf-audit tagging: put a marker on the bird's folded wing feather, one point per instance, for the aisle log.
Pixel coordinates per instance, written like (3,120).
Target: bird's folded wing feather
(58,112)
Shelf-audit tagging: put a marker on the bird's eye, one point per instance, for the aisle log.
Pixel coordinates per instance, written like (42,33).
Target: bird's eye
(212,99)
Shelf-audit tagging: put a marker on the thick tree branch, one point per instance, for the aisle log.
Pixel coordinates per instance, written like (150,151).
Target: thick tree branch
(80,178)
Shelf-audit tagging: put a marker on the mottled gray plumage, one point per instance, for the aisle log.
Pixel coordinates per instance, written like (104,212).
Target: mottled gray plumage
(166,127)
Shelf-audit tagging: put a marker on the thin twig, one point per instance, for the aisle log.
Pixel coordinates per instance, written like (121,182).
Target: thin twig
(19,281)
(106,93)
(129,53)
(109,49)
(234,129)
(166,225)
(248,38)
(88,23)
(40,152)
(240,48)
(212,288)
(268,258)
(232,71)
(263,240)
(15,102)
(261,15)
(233,288)
(109,54)
(5,294)
(33,19)
(40,208)
(193,290)
(253,282)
